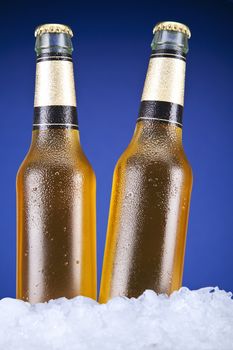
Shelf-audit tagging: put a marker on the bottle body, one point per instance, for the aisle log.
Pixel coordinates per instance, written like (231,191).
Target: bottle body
(148,214)
(56,220)
(152,182)
(56,189)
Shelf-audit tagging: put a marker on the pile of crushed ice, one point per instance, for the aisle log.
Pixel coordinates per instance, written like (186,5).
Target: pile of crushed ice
(201,319)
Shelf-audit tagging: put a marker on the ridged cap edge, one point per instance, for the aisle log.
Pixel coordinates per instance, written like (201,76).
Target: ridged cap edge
(53,28)
(173,26)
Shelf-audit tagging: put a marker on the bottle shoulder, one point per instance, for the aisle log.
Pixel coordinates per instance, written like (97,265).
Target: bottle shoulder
(152,154)
(39,161)
(154,141)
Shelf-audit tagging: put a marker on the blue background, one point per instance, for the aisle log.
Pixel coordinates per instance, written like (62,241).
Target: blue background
(112,47)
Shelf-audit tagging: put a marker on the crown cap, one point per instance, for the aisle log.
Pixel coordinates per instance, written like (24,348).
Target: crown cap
(173,26)
(53,28)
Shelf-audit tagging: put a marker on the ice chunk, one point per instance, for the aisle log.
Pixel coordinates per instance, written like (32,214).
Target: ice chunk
(201,319)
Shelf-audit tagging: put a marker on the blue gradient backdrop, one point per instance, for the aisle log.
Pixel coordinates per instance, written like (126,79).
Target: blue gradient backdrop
(112,47)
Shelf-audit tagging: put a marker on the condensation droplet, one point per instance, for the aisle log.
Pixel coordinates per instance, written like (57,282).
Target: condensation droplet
(129,194)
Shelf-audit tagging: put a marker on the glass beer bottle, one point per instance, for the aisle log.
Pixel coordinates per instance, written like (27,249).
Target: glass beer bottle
(56,186)
(152,182)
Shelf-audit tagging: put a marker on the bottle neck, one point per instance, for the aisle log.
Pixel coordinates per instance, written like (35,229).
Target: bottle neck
(157,134)
(163,94)
(55,99)
(55,140)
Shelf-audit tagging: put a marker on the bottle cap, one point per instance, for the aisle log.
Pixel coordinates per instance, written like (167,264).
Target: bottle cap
(53,28)
(173,26)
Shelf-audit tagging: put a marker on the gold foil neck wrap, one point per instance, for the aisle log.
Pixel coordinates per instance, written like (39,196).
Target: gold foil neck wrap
(53,28)
(165,80)
(54,84)
(173,26)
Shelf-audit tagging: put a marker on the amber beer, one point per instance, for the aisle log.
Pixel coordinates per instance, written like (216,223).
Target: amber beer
(152,181)
(56,186)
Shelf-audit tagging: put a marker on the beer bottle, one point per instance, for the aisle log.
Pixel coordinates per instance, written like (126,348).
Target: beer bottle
(152,181)
(56,186)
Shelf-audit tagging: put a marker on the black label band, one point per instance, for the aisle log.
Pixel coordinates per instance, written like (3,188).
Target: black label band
(54,56)
(161,111)
(55,117)
(168,53)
